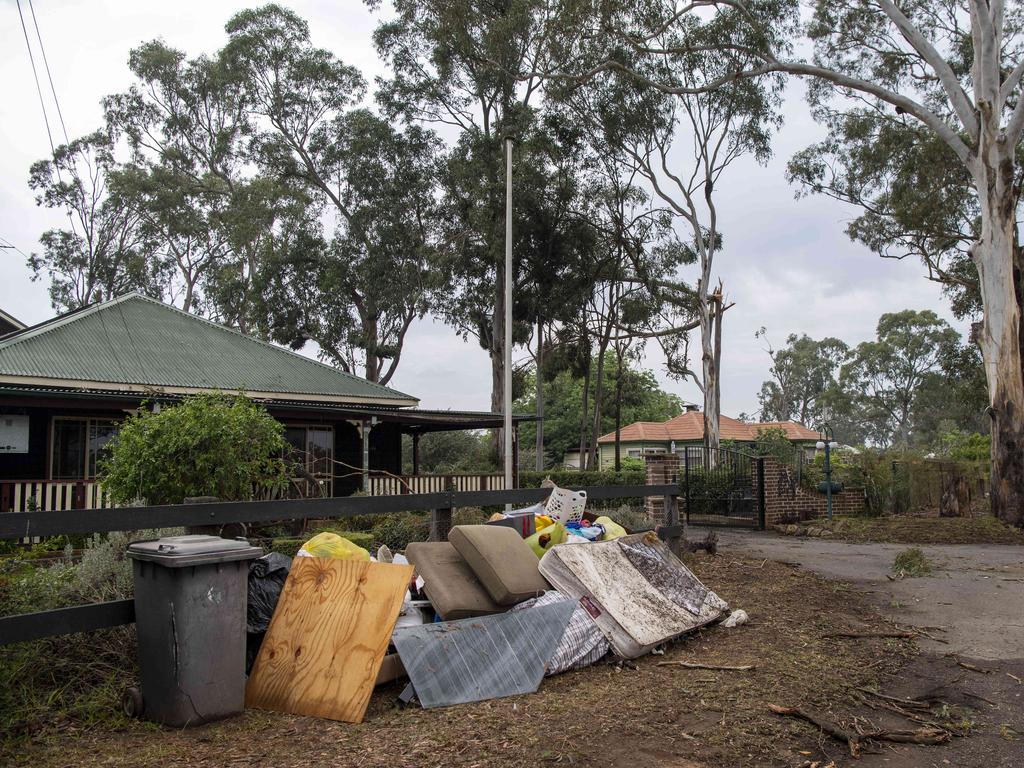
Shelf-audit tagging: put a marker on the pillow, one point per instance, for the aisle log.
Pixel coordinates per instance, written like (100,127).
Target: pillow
(503,562)
(449,582)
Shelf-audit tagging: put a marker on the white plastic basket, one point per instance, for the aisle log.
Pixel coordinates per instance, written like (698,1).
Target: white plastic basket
(565,506)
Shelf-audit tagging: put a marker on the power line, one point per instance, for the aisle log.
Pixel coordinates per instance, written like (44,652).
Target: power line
(35,74)
(5,243)
(46,64)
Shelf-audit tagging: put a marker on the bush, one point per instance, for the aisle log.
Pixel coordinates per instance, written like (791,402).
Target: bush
(911,563)
(74,677)
(207,445)
(398,529)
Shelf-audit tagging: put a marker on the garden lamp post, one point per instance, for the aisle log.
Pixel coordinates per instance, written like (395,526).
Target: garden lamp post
(827,442)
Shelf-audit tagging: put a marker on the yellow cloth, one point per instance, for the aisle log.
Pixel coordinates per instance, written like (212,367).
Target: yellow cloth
(333,546)
(549,537)
(612,530)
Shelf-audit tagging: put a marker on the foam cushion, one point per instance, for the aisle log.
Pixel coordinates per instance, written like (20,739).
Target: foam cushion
(450,584)
(502,560)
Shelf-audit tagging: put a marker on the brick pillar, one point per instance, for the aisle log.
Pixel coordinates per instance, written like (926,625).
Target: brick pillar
(661,468)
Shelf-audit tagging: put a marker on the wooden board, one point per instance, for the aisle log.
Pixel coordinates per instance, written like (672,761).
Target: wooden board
(326,641)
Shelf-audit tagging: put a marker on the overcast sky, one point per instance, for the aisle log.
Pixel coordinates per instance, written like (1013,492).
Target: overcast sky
(787,263)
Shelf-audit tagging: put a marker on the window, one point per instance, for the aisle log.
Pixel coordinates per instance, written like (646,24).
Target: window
(634,453)
(311,455)
(78,446)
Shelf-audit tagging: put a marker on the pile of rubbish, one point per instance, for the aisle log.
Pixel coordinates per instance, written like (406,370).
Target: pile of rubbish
(489,613)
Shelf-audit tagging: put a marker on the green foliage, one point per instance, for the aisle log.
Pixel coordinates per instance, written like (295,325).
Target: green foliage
(207,445)
(452,452)
(967,447)
(643,399)
(76,677)
(801,372)
(911,563)
(710,489)
(398,529)
(772,441)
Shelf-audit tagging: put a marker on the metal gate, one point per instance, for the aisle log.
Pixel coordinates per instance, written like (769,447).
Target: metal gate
(722,487)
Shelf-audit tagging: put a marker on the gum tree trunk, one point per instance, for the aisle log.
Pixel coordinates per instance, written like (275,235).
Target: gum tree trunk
(998,261)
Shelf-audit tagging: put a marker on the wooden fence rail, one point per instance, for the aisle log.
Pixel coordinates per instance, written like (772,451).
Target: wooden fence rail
(84,618)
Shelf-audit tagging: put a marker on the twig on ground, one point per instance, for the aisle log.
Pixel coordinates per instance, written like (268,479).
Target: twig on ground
(834,730)
(692,665)
(856,635)
(1019,681)
(908,703)
(968,665)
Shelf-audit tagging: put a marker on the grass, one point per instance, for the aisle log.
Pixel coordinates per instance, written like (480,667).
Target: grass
(922,530)
(606,715)
(911,564)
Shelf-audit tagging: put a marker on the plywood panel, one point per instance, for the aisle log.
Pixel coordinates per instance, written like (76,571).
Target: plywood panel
(325,643)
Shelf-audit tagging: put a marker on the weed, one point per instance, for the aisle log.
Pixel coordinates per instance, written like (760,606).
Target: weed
(911,563)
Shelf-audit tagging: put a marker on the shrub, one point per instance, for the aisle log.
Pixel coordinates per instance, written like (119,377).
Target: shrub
(290,545)
(74,677)
(398,529)
(207,445)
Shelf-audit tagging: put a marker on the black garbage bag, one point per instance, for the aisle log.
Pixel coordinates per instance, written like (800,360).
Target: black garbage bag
(267,575)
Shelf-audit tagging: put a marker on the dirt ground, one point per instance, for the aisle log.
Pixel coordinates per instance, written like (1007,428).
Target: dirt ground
(910,529)
(640,716)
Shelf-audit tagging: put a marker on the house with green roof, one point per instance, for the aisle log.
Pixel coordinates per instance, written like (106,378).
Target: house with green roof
(66,384)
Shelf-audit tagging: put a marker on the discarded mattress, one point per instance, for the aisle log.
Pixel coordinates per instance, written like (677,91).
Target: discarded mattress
(582,643)
(453,588)
(638,593)
(456,662)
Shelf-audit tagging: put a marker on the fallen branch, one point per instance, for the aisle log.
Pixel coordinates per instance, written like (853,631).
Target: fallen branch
(692,665)
(855,635)
(928,736)
(971,667)
(907,703)
(837,732)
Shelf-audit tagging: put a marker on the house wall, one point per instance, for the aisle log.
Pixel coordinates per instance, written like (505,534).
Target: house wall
(606,451)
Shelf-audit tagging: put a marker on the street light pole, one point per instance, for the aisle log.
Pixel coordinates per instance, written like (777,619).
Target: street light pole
(508,313)
(825,433)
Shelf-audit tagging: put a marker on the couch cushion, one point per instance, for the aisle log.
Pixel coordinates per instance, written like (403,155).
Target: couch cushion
(450,584)
(502,560)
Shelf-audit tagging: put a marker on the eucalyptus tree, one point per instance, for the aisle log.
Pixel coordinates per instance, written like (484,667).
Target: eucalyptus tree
(455,63)
(377,182)
(104,250)
(950,71)
(801,373)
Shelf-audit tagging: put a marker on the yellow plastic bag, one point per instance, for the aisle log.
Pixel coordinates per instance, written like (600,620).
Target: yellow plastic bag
(549,537)
(543,521)
(612,530)
(332,545)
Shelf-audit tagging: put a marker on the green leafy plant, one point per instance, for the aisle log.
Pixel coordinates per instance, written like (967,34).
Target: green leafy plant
(208,445)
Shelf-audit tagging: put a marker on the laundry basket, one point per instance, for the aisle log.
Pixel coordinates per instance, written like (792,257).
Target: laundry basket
(565,506)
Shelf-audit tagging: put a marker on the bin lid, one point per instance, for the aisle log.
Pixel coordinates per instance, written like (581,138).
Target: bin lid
(195,549)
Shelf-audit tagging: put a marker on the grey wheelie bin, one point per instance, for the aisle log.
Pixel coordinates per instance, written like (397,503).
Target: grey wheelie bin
(190,597)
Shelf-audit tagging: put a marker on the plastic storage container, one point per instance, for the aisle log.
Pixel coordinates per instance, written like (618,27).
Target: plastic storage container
(190,599)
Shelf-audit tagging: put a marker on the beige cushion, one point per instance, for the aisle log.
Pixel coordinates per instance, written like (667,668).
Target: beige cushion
(450,584)
(502,560)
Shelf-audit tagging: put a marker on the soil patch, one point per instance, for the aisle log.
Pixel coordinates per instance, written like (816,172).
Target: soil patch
(638,714)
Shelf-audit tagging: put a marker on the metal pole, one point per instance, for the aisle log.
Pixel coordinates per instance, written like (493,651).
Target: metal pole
(508,314)
(828,476)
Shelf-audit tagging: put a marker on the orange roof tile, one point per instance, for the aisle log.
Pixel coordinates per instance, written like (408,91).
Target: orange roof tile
(689,427)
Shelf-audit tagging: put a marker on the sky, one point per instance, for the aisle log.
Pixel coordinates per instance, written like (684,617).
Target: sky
(787,264)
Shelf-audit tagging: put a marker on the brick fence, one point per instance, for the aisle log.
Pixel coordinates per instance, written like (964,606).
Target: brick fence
(784,499)
(662,468)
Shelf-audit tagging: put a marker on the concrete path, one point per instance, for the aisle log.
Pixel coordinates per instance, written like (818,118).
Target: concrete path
(976,592)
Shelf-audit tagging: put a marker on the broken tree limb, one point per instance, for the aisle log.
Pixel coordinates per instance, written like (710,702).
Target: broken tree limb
(856,635)
(928,736)
(692,665)
(837,732)
(905,703)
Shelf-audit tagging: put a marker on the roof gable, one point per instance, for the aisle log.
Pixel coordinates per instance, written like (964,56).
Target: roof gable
(140,344)
(689,427)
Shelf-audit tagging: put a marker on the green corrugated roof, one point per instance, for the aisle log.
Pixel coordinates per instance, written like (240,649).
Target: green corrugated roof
(135,342)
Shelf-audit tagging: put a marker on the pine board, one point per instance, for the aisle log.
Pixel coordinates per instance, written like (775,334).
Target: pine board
(328,636)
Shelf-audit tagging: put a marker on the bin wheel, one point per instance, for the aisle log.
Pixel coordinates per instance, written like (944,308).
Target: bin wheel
(131,702)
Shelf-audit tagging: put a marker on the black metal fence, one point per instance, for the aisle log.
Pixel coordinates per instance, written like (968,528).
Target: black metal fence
(723,487)
(84,618)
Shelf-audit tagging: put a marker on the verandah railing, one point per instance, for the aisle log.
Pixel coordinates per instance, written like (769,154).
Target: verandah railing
(84,618)
(391,485)
(52,495)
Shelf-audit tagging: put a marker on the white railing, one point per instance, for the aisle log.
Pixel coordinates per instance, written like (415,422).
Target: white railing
(394,485)
(52,495)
